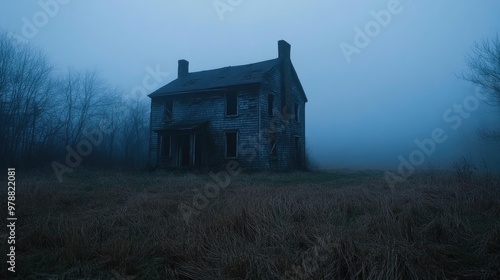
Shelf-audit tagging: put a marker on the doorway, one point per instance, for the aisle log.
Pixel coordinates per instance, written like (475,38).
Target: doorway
(184,150)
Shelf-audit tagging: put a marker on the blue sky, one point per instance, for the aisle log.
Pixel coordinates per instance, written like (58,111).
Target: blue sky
(361,114)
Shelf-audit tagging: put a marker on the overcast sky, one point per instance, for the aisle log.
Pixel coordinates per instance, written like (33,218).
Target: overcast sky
(371,95)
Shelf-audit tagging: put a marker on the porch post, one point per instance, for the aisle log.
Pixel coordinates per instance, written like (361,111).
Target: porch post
(192,148)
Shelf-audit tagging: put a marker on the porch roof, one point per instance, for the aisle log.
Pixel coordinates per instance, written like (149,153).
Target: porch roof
(185,126)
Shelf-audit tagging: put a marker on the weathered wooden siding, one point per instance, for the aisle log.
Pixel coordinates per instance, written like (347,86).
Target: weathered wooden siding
(253,123)
(271,85)
(282,123)
(299,127)
(210,107)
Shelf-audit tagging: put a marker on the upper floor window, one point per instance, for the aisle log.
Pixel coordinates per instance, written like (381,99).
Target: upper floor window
(232,104)
(169,104)
(270,104)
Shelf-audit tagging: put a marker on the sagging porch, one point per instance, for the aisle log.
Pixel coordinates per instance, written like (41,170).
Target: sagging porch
(182,145)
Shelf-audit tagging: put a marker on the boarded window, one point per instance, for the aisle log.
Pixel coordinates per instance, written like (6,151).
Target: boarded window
(232,104)
(169,104)
(270,104)
(231,144)
(165,145)
(296,111)
(272,144)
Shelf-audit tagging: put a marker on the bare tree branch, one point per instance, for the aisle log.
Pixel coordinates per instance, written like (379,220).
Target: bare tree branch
(483,64)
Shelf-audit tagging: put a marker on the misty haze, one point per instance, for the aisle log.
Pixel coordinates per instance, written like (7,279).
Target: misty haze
(234,139)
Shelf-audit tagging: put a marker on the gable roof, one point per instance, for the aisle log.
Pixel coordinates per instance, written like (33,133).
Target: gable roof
(297,80)
(218,78)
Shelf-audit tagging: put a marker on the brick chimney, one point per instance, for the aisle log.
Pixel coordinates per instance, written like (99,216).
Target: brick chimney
(284,49)
(286,78)
(183,69)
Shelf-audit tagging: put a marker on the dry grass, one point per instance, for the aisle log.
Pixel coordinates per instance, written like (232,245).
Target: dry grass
(337,225)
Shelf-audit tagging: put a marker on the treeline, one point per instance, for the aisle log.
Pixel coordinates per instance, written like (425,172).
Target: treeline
(70,117)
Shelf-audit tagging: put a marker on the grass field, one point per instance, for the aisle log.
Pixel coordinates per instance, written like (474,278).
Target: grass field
(307,225)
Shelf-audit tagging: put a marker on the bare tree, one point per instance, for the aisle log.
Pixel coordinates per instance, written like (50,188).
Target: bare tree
(84,100)
(7,54)
(43,111)
(113,116)
(135,131)
(484,71)
(25,88)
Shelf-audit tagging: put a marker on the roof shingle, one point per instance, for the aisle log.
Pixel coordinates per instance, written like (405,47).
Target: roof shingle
(218,78)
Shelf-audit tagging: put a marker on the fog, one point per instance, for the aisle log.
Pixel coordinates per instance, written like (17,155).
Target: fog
(371,96)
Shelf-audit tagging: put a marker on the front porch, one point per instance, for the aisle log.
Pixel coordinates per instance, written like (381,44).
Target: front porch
(182,145)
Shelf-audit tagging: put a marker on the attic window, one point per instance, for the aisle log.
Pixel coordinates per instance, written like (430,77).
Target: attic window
(231,104)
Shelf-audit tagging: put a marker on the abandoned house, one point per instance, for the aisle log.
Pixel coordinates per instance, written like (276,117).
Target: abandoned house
(254,114)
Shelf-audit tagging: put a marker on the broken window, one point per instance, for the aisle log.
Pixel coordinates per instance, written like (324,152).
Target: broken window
(231,144)
(169,104)
(270,104)
(232,104)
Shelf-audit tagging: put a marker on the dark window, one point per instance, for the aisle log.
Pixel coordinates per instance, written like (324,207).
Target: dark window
(297,145)
(298,153)
(296,112)
(272,144)
(169,104)
(231,144)
(165,145)
(232,104)
(270,104)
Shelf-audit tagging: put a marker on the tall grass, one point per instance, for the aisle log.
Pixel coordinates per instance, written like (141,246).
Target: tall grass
(319,225)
